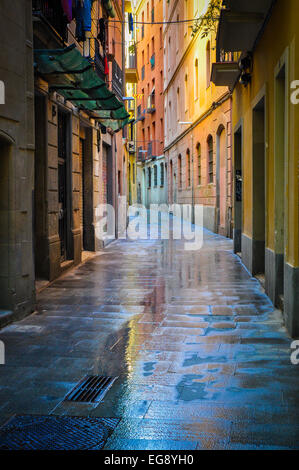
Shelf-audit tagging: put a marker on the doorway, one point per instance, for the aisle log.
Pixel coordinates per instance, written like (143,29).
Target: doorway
(258,189)
(64,187)
(280,187)
(221,183)
(238,192)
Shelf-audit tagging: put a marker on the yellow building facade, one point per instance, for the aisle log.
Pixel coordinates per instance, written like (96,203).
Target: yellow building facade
(197,118)
(265,125)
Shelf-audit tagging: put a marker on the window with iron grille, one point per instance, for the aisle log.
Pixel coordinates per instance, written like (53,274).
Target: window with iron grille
(152,61)
(198,164)
(210,157)
(155,176)
(188,168)
(180,170)
(162,174)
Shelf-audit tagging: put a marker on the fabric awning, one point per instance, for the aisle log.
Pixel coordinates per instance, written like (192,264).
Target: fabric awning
(73,76)
(109,8)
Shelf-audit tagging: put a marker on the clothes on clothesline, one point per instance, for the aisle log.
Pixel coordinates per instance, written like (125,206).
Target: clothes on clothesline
(83,18)
(67,6)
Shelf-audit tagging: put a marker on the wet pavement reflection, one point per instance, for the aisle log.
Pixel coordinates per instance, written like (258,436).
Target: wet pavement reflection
(202,357)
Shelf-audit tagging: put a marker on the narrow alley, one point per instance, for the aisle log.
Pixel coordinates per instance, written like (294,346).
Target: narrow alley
(201,357)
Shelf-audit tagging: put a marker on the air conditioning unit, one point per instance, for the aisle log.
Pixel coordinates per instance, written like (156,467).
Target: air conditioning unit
(131,147)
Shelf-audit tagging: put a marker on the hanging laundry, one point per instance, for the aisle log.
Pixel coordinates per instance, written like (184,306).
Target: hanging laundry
(87,15)
(83,18)
(102,32)
(106,67)
(67,6)
(131,23)
(80,32)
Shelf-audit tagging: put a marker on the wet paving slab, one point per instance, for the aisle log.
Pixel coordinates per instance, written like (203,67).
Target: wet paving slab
(202,358)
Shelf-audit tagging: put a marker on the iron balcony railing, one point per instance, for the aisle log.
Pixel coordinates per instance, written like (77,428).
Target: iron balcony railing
(223,56)
(151,104)
(141,154)
(99,62)
(132,57)
(152,149)
(117,79)
(51,12)
(152,61)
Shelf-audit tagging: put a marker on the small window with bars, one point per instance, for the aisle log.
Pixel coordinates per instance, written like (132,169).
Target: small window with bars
(188,168)
(198,164)
(155,176)
(210,159)
(162,174)
(149,178)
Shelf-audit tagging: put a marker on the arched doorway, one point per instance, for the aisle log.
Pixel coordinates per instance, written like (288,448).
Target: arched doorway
(221,182)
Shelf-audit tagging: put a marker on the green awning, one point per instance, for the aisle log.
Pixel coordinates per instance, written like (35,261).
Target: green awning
(73,76)
(109,8)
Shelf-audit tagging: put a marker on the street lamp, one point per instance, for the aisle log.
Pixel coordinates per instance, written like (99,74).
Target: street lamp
(189,123)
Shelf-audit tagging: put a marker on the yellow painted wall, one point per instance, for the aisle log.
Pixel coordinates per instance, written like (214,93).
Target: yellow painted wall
(281,34)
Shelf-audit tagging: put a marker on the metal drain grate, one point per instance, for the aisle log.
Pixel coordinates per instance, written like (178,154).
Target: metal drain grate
(91,389)
(28,432)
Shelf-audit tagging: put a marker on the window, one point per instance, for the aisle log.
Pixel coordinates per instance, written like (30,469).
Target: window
(162,174)
(210,159)
(178,107)
(208,64)
(198,148)
(186,16)
(196,84)
(142,27)
(186,92)
(161,38)
(119,182)
(153,11)
(155,176)
(178,34)
(180,170)
(149,177)
(188,168)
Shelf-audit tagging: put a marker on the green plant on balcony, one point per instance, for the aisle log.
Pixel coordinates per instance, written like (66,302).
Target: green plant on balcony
(208,23)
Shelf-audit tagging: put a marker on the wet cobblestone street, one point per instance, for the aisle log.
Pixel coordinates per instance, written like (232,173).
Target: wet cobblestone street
(201,356)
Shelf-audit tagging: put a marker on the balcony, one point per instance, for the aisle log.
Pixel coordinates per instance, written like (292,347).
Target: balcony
(143,72)
(51,13)
(152,61)
(152,149)
(151,106)
(140,114)
(117,80)
(99,62)
(141,154)
(240,24)
(131,68)
(225,72)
